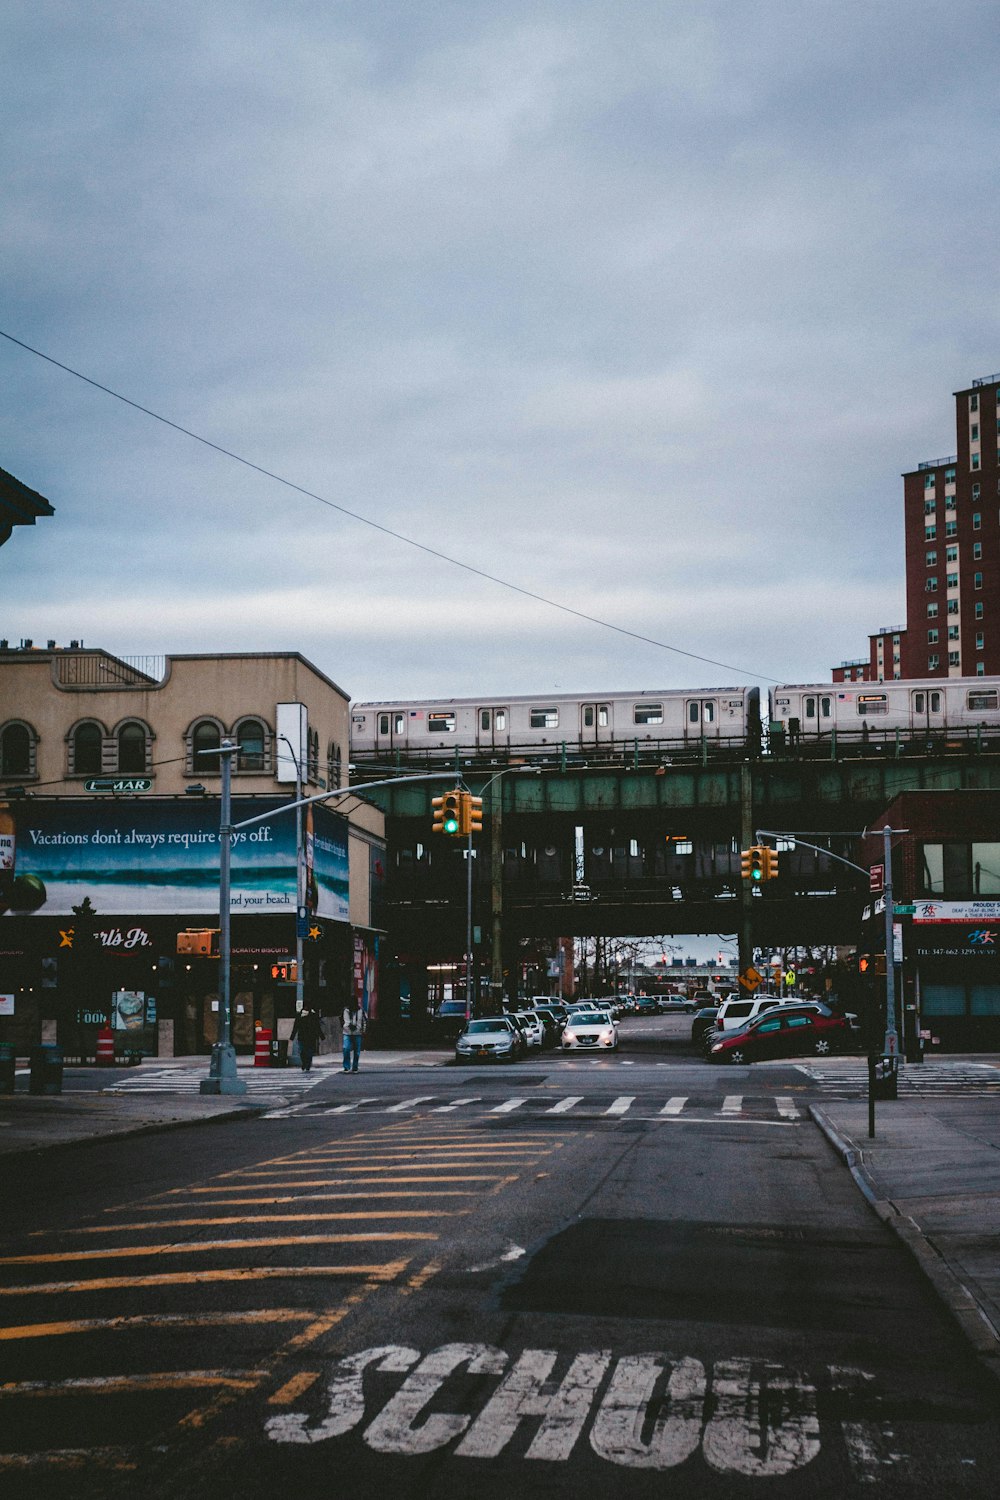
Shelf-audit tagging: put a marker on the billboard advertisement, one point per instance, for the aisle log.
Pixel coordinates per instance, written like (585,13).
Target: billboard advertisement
(142,857)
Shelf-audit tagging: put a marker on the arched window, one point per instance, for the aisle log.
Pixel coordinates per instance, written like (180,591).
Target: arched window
(204,736)
(333,763)
(15,750)
(132,748)
(87,740)
(250,738)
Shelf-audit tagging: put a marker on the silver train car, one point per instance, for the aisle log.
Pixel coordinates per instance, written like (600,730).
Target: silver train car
(546,725)
(914,711)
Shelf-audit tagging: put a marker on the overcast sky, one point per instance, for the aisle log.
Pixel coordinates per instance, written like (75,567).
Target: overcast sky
(642,305)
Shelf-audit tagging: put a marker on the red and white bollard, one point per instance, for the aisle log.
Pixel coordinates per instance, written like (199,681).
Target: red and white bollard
(262,1048)
(105,1047)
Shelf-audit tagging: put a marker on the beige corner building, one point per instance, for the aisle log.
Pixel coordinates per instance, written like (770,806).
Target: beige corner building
(109,849)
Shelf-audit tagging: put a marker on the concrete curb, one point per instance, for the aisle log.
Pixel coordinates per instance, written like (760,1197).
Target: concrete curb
(969,1314)
(156,1127)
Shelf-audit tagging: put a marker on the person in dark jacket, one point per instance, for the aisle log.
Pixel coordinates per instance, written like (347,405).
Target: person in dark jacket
(308,1031)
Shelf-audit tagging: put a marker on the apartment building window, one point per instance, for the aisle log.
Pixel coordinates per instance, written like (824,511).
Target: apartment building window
(954,658)
(980,641)
(933,662)
(974,403)
(932,610)
(953,606)
(951,528)
(977,551)
(932,559)
(932,637)
(975,492)
(977,521)
(928,481)
(953,632)
(980,669)
(930,506)
(974,432)
(975,461)
(931,586)
(977,580)
(951,554)
(949,476)
(979,611)
(930,533)
(951,581)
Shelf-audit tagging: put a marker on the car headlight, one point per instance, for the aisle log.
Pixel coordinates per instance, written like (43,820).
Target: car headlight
(607,1036)
(569,1036)
(718,1047)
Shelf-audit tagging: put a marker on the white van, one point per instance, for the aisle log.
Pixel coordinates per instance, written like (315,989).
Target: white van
(733,1014)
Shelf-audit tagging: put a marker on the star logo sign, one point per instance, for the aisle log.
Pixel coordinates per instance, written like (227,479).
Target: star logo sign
(315,933)
(66,938)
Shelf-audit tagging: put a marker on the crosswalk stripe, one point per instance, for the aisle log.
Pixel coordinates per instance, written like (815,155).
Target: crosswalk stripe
(343,1109)
(397,1109)
(732,1104)
(786,1107)
(675,1105)
(564,1104)
(621,1105)
(444,1109)
(508,1106)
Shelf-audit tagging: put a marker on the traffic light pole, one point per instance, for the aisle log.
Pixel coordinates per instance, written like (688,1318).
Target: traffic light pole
(468,928)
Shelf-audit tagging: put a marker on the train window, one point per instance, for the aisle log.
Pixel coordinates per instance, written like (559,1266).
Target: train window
(873,703)
(484,719)
(810,708)
(543,718)
(588,716)
(440,723)
(648,713)
(980,700)
(826,707)
(702,710)
(500,718)
(398,723)
(383,723)
(603,716)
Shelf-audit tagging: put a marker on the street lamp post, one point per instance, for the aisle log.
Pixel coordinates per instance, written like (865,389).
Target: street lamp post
(300,882)
(222,1077)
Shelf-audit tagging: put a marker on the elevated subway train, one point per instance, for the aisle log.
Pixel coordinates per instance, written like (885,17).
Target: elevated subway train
(818,718)
(912,714)
(546,726)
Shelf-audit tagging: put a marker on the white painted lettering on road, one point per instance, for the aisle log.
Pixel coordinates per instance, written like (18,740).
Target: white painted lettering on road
(625,1412)
(345,1396)
(526,1392)
(393,1430)
(764,1423)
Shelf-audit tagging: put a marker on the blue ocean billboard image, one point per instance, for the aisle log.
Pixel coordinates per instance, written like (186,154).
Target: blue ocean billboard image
(146,857)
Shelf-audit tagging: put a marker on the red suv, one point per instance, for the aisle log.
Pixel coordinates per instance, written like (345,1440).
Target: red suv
(786,1031)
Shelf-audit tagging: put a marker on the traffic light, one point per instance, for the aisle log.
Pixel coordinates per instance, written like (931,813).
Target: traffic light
(770,864)
(753,863)
(746,856)
(472,814)
(448,813)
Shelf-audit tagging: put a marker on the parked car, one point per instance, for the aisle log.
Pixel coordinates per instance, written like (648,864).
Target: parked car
(532,1028)
(733,1015)
(786,1031)
(449,1019)
(676,1005)
(552,1024)
(589,1030)
(702,1023)
(490,1039)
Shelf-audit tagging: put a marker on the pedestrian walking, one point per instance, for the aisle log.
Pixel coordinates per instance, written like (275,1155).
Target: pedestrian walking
(308,1031)
(354,1029)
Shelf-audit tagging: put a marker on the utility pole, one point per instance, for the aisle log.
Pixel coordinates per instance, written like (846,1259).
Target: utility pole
(222,1077)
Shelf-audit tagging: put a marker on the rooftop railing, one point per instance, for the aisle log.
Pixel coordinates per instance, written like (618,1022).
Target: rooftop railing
(96,669)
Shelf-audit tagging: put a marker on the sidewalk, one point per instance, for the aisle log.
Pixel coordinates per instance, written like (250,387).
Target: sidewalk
(932,1174)
(98,1112)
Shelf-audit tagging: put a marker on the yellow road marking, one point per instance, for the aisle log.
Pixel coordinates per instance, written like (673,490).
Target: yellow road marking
(386,1272)
(111,1385)
(384,1213)
(420,1278)
(70,1458)
(197,1247)
(296,1198)
(155,1320)
(293,1389)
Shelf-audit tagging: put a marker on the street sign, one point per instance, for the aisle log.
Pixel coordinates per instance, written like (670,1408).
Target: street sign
(876,878)
(122,785)
(749,979)
(789,976)
(905,910)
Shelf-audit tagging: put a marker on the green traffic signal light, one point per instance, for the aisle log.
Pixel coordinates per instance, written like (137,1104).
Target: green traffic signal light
(757,864)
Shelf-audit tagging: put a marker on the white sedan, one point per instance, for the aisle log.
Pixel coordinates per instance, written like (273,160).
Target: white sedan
(590,1030)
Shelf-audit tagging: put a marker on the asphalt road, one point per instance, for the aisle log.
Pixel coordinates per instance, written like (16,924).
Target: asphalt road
(551,1278)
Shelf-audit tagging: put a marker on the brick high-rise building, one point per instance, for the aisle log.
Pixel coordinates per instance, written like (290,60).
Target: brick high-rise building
(952,532)
(951,509)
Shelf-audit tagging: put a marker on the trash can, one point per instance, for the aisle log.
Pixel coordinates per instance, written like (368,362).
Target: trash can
(46,1069)
(279,1053)
(7,1061)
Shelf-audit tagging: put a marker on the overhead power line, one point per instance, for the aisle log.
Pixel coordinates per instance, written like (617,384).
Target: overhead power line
(397,536)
